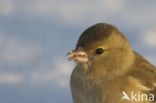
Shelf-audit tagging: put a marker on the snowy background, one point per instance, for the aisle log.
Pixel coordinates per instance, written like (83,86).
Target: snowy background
(35,36)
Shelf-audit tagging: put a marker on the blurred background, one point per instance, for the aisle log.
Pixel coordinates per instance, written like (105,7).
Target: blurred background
(35,36)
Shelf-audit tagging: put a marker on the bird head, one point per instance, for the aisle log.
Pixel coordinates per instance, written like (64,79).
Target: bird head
(104,47)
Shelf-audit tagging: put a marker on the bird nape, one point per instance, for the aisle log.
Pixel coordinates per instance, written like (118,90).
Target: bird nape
(108,70)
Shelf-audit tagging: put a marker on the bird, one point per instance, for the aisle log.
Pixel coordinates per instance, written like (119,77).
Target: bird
(108,70)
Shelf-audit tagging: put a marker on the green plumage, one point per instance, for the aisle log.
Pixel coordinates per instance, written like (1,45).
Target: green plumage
(104,77)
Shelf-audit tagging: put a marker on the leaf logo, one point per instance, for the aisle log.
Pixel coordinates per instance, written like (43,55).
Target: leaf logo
(125,96)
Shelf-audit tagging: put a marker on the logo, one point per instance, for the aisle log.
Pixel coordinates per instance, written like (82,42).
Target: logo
(137,97)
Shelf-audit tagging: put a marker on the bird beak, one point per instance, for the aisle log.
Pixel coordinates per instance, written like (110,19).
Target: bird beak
(78,55)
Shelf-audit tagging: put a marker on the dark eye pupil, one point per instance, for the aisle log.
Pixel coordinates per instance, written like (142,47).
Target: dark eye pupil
(99,51)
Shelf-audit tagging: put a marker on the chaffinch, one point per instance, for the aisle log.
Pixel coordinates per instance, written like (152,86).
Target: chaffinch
(108,70)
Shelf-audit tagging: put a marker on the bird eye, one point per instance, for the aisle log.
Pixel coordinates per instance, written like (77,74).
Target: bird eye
(99,51)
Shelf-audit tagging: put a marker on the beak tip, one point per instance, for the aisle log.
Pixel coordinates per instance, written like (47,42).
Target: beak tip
(68,53)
